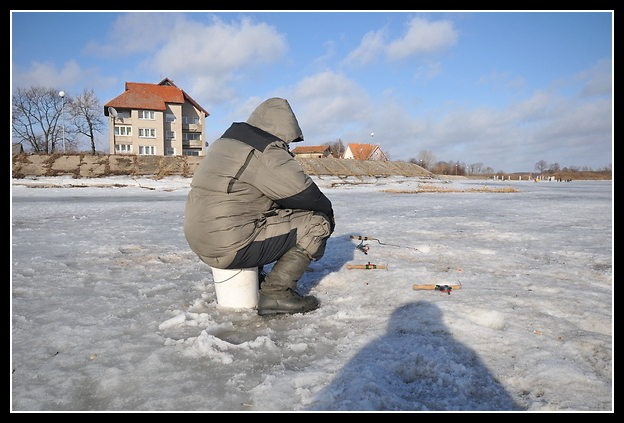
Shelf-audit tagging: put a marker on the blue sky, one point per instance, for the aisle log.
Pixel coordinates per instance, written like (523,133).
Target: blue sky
(506,89)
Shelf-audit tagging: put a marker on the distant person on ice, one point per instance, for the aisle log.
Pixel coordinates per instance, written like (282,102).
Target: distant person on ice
(251,204)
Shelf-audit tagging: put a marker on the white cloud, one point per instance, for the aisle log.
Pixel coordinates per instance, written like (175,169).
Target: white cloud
(212,56)
(599,79)
(71,77)
(532,109)
(421,37)
(208,56)
(135,32)
(502,80)
(573,122)
(429,70)
(545,126)
(371,46)
(327,103)
(219,47)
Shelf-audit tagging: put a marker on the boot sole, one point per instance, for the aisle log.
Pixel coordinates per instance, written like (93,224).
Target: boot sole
(273,312)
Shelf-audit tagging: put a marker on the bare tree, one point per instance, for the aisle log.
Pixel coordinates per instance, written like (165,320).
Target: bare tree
(425,159)
(85,114)
(475,169)
(36,117)
(541,166)
(337,148)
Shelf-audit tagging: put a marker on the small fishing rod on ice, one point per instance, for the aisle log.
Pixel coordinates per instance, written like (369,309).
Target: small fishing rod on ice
(364,248)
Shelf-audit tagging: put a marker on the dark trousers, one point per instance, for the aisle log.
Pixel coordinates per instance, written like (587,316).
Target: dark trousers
(282,230)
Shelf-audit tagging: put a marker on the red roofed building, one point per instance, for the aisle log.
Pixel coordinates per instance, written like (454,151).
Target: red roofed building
(364,152)
(317,152)
(156,119)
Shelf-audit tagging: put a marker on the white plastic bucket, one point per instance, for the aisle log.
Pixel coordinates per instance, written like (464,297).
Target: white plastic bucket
(236,288)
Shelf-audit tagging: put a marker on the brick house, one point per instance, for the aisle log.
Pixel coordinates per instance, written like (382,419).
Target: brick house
(156,119)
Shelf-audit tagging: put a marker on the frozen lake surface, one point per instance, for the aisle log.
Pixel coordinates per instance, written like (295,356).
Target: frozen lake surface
(112,311)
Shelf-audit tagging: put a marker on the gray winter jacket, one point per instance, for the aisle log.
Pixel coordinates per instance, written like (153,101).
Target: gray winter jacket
(246,173)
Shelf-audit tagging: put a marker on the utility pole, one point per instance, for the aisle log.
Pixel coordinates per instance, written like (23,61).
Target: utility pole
(62,94)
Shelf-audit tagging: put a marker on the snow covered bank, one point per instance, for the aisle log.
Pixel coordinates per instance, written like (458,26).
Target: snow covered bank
(111,310)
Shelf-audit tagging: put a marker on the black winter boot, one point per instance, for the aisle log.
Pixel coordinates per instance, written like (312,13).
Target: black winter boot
(293,303)
(277,294)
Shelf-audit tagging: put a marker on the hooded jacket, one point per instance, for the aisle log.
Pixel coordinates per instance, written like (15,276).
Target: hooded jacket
(247,173)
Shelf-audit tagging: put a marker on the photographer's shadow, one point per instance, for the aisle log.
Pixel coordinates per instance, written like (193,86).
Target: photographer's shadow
(417,365)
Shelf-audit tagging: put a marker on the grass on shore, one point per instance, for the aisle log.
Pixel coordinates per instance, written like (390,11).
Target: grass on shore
(424,188)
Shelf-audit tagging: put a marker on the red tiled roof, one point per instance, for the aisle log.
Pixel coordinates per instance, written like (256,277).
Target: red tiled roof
(362,151)
(150,97)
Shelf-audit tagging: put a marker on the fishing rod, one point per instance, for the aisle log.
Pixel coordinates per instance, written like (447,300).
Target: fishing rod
(441,288)
(364,248)
(368,265)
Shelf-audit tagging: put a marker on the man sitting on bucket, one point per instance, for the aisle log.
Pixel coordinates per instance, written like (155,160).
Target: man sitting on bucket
(251,204)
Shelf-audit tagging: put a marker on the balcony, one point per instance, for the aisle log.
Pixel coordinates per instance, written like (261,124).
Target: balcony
(191,127)
(192,143)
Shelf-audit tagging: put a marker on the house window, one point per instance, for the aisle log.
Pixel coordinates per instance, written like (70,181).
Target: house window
(190,152)
(123,148)
(124,131)
(169,151)
(146,115)
(147,150)
(191,136)
(147,133)
(170,135)
(169,117)
(187,120)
